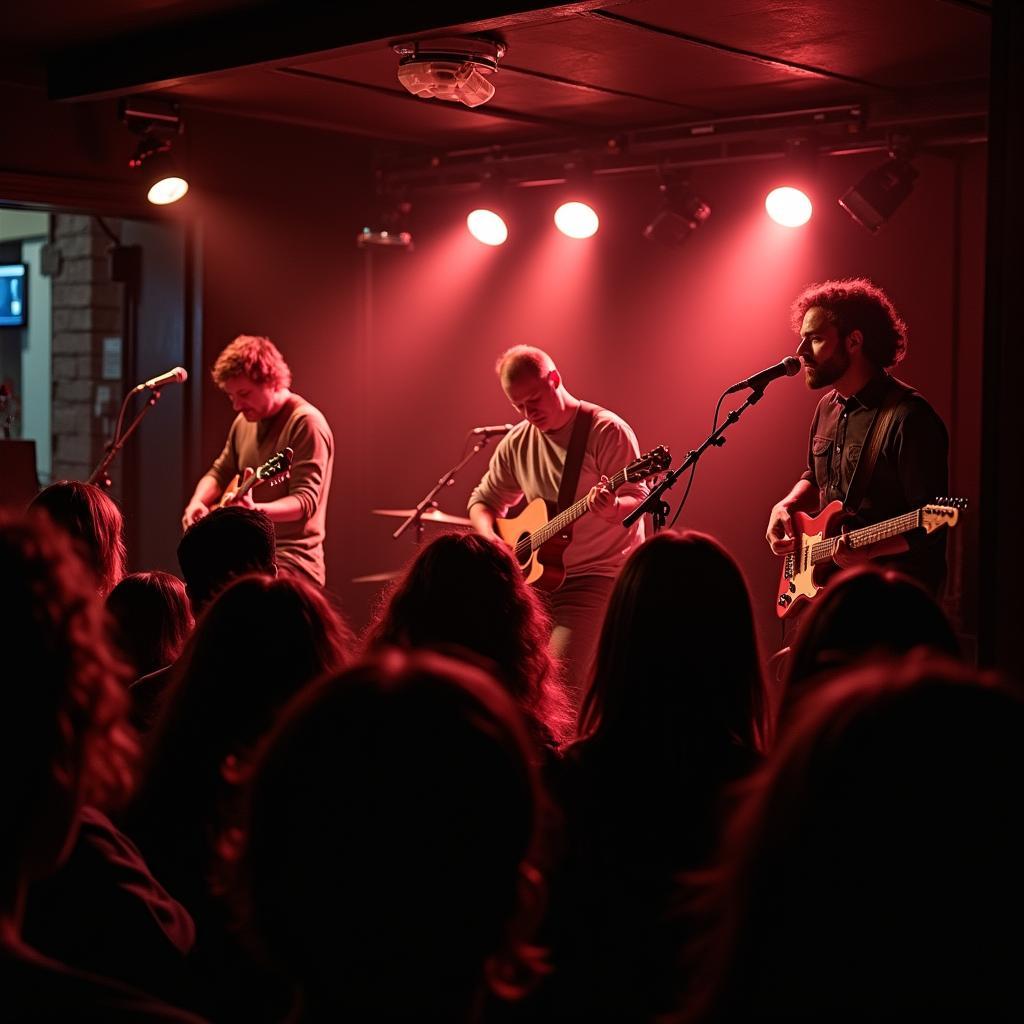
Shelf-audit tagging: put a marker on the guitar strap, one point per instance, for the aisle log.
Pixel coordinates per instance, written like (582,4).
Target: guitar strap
(574,456)
(881,424)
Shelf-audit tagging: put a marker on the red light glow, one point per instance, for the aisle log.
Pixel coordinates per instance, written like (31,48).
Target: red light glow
(788,206)
(577,220)
(486,226)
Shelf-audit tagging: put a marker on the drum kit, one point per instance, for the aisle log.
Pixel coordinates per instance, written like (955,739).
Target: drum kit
(431,515)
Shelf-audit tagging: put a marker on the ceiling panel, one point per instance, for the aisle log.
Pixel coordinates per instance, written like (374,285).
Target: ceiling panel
(895,43)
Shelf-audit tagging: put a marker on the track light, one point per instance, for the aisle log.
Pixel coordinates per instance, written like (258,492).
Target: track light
(163,178)
(158,123)
(877,196)
(390,229)
(682,212)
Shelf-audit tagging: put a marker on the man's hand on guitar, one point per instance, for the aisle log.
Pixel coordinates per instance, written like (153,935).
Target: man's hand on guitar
(242,495)
(602,501)
(780,534)
(194,511)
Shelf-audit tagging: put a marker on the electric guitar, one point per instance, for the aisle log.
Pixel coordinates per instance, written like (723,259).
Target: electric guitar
(806,567)
(539,537)
(274,471)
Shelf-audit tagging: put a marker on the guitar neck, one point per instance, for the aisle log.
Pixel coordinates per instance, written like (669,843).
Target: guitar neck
(568,516)
(867,535)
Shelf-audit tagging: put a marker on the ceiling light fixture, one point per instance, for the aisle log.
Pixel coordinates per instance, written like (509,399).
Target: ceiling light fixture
(682,212)
(454,68)
(158,122)
(877,196)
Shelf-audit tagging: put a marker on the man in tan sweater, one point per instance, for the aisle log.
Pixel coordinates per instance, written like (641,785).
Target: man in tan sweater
(253,374)
(528,462)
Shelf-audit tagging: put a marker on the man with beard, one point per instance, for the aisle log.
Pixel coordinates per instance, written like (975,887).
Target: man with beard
(850,337)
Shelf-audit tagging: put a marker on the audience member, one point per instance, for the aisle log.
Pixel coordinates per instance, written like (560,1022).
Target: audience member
(228,543)
(64,744)
(467,591)
(261,641)
(392,843)
(93,521)
(674,714)
(867,610)
(873,870)
(152,619)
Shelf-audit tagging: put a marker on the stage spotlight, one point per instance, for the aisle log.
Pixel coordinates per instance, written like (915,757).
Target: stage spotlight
(158,122)
(577,220)
(487,226)
(788,206)
(165,183)
(682,212)
(877,196)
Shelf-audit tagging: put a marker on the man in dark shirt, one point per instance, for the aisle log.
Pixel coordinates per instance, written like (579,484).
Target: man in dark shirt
(850,336)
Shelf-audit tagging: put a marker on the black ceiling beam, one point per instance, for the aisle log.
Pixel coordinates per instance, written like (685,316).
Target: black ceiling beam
(760,58)
(272,33)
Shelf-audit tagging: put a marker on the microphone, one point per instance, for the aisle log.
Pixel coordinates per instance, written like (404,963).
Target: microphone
(789,367)
(492,431)
(176,376)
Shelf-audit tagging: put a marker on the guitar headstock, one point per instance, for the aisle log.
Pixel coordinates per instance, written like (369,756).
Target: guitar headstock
(657,460)
(942,512)
(276,468)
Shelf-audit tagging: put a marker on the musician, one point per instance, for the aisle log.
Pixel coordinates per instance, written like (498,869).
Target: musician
(528,462)
(850,338)
(253,374)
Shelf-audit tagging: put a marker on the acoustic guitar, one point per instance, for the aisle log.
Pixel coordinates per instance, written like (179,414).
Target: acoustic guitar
(539,537)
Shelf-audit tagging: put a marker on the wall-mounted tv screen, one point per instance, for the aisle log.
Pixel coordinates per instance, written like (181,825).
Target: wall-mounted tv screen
(13,301)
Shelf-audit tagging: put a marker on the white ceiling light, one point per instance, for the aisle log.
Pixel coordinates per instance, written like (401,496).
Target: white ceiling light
(454,68)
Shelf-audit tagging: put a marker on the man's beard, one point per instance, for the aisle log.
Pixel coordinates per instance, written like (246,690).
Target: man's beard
(828,372)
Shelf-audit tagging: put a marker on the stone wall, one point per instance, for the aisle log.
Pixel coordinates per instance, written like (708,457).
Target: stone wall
(87,308)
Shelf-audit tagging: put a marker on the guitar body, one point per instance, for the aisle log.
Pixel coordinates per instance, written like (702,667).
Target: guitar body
(801,580)
(807,568)
(545,567)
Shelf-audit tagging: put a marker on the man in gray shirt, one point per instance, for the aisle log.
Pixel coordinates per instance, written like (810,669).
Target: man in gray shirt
(253,374)
(528,462)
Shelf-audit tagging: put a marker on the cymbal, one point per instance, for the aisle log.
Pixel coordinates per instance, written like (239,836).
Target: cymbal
(432,515)
(378,577)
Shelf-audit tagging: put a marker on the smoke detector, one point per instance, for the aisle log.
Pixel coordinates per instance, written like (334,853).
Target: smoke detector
(455,68)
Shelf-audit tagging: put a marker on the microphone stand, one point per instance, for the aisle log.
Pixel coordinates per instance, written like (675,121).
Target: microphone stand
(428,502)
(654,503)
(99,475)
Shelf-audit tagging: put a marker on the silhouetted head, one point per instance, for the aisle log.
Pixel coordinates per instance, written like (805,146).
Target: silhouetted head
(93,521)
(63,737)
(865,610)
(677,661)
(257,645)
(152,619)
(876,859)
(227,543)
(468,591)
(393,824)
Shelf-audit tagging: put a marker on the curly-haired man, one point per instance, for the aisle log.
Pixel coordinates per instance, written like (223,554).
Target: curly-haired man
(253,374)
(850,338)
